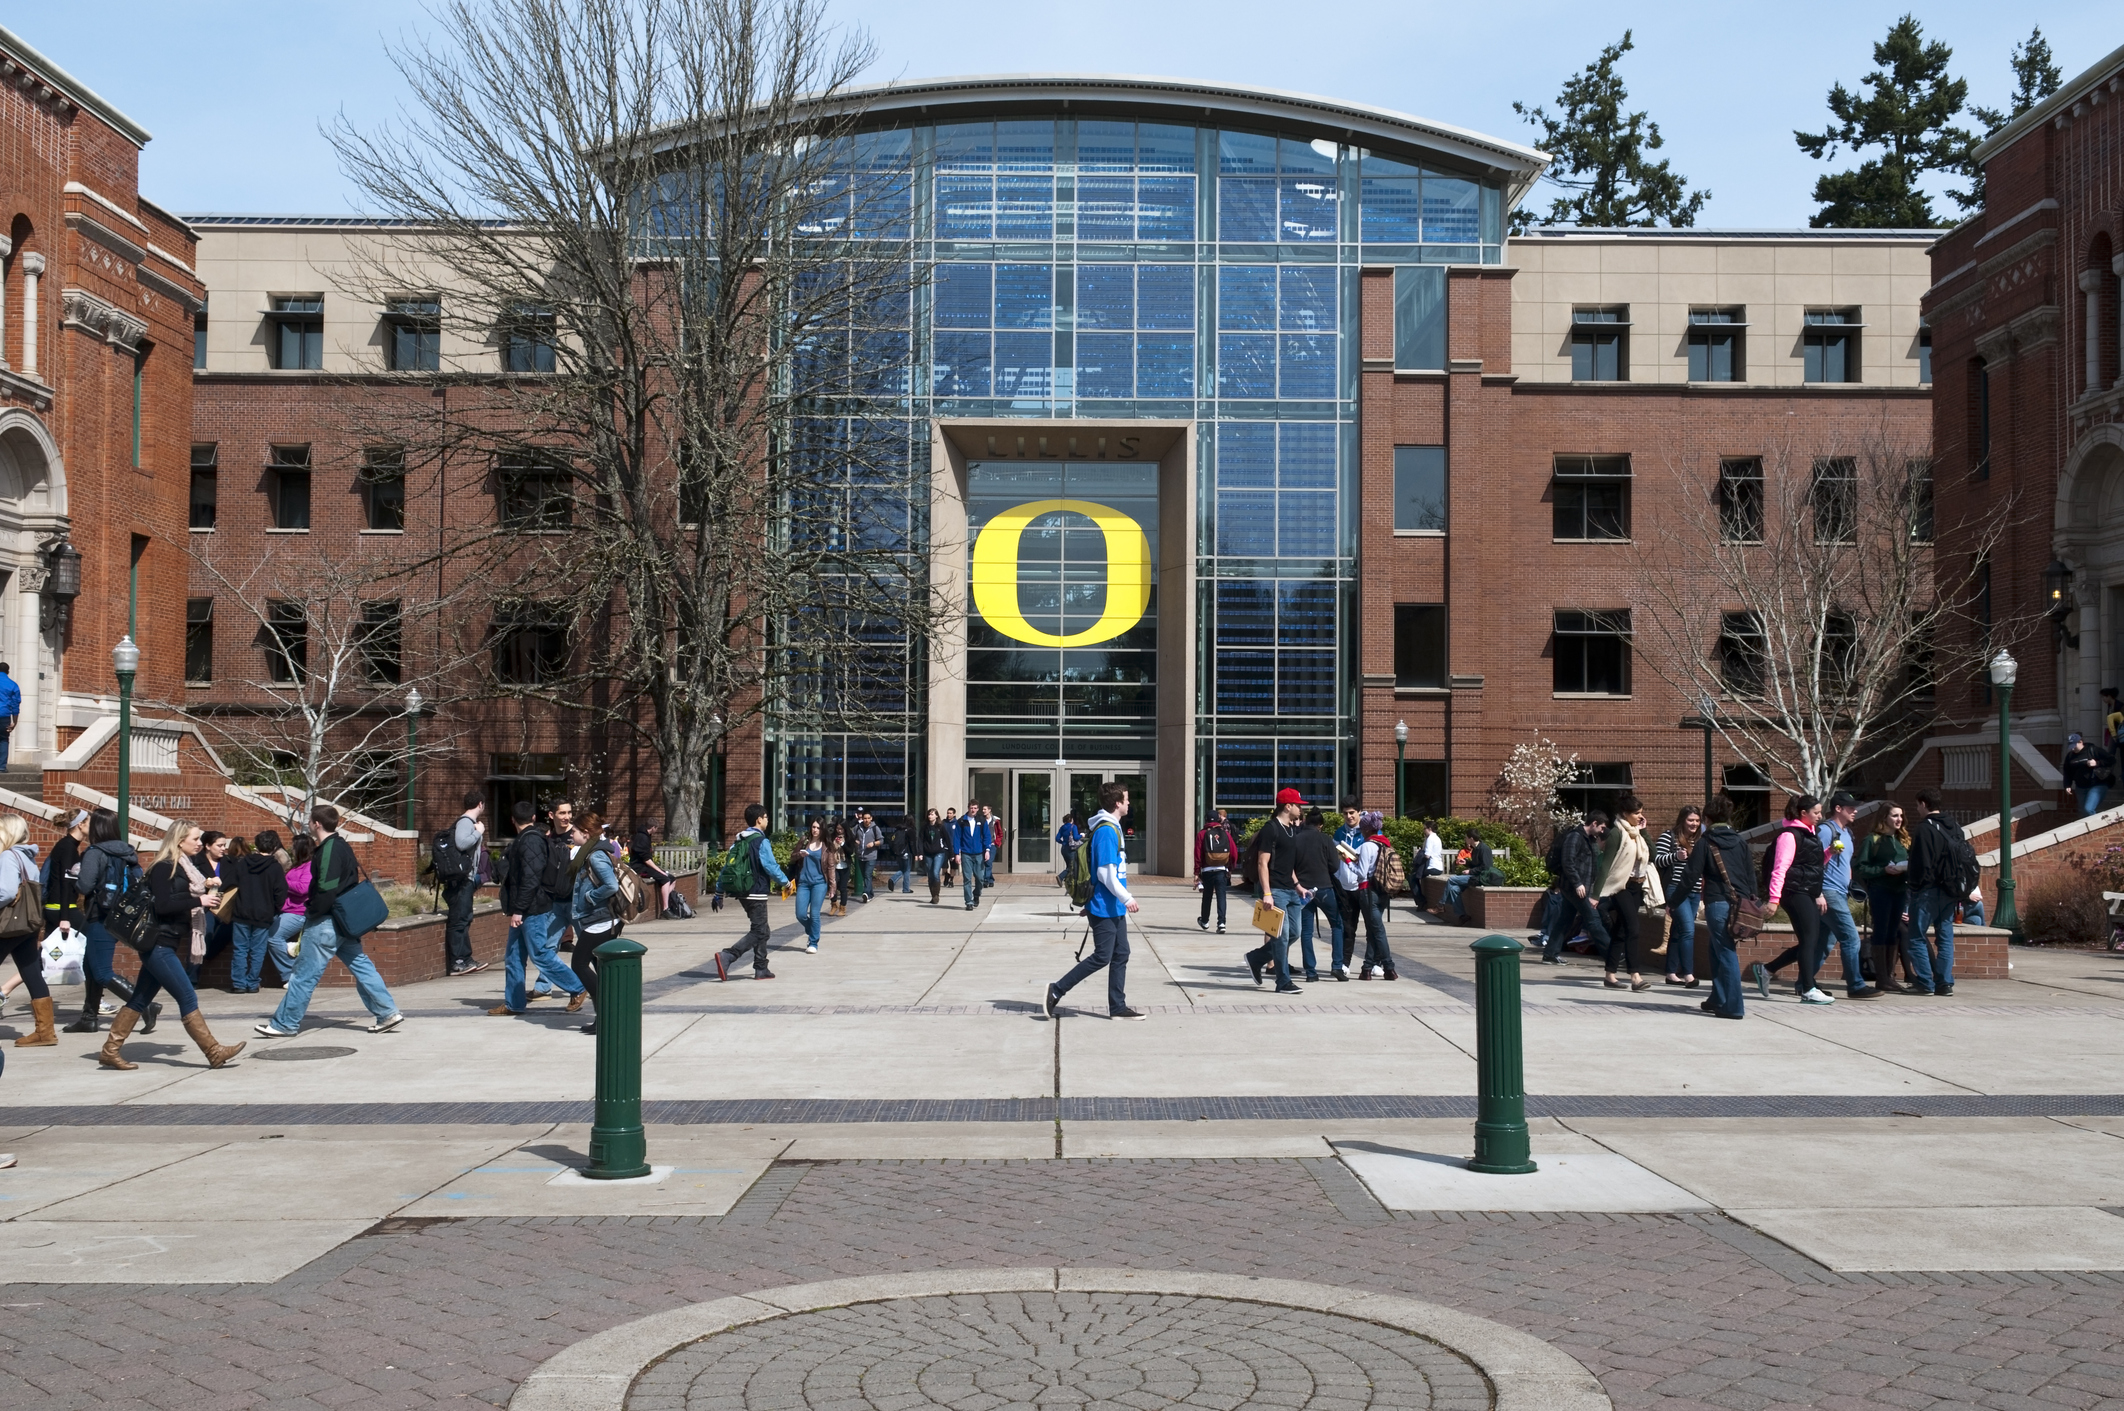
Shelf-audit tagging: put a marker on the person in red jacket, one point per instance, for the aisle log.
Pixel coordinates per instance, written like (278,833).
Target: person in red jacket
(1216,849)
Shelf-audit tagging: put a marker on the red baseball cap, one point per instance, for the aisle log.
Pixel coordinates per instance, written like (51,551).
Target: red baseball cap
(1289,796)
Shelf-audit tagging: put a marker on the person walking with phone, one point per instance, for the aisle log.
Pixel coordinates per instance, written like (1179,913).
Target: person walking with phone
(1108,910)
(333,873)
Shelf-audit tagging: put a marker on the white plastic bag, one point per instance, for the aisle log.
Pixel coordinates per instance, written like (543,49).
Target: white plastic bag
(62,956)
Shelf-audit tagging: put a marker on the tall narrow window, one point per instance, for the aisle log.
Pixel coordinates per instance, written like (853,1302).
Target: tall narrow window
(1836,500)
(380,638)
(1740,500)
(692,489)
(298,342)
(286,639)
(199,339)
(1420,645)
(1715,345)
(290,487)
(1420,318)
(1420,489)
(1924,355)
(383,488)
(1829,345)
(1741,653)
(1839,651)
(1592,497)
(1599,344)
(206,485)
(416,334)
(198,641)
(1979,419)
(530,336)
(1918,494)
(139,396)
(1592,651)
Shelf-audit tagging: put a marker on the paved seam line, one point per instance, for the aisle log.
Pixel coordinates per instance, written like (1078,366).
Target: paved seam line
(764,1197)
(1878,1057)
(1352,1199)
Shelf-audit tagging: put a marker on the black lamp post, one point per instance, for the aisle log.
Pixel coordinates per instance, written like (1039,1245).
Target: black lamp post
(61,587)
(1401,769)
(1706,720)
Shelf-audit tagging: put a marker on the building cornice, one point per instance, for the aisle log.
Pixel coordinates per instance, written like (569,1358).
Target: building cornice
(108,238)
(29,389)
(169,288)
(85,311)
(2060,107)
(30,70)
(2037,328)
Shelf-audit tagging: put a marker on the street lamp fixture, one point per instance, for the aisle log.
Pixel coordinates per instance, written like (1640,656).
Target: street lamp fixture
(2057,578)
(413,705)
(2004,670)
(1401,769)
(61,586)
(125,662)
(1706,720)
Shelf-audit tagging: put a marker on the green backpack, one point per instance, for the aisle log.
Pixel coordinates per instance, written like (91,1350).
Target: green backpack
(1081,879)
(736,878)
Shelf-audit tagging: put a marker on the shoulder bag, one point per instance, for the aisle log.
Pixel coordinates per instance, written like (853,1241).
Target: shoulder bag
(361,908)
(24,915)
(130,916)
(1746,919)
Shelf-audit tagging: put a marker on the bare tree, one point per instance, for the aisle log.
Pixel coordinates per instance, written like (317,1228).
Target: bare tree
(667,221)
(1800,594)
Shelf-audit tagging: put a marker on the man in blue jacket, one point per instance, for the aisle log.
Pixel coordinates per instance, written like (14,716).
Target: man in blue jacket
(1108,910)
(970,839)
(765,870)
(10,711)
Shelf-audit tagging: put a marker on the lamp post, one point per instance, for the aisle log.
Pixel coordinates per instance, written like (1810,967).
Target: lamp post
(1401,750)
(1706,720)
(413,705)
(2003,671)
(125,660)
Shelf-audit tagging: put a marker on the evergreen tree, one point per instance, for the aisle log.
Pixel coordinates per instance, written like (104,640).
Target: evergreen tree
(1908,115)
(2035,77)
(1600,158)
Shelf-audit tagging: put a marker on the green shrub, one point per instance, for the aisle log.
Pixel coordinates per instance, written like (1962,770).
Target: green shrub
(783,842)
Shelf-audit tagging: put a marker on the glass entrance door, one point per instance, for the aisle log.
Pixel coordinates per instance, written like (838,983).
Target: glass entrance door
(1039,797)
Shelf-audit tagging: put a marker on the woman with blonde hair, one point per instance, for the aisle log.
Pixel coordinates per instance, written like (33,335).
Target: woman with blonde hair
(175,931)
(18,864)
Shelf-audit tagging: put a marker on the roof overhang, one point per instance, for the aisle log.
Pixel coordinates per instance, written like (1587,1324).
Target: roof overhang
(2072,92)
(77,92)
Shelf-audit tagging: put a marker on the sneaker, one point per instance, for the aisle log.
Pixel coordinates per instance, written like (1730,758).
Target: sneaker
(1128,1014)
(1220,928)
(385,1026)
(1203,923)
(1342,972)
(1872,992)
(1816,996)
(267,1029)
(1289,990)
(471,967)
(1048,1001)
(1761,975)
(763,974)
(1552,960)
(1255,966)
(812,949)
(1944,990)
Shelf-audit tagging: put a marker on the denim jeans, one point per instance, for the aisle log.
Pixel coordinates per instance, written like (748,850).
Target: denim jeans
(97,952)
(285,930)
(1277,947)
(970,876)
(529,944)
(248,964)
(1109,940)
(1572,912)
(859,877)
(1454,886)
(1217,883)
(1681,938)
(1322,903)
(321,941)
(2090,797)
(810,901)
(160,970)
(1930,909)
(906,873)
(1725,960)
(1837,921)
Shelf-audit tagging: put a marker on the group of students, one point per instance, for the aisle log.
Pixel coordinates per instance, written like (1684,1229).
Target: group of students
(1311,871)
(1916,879)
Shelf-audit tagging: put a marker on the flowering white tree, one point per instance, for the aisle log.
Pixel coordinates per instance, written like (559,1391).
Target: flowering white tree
(1524,797)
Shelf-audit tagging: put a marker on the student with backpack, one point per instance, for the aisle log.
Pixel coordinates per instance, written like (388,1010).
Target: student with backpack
(593,903)
(1943,871)
(1215,848)
(456,855)
(1375,865)
(109,868)
(744,876)
(529,906)
(1108,908)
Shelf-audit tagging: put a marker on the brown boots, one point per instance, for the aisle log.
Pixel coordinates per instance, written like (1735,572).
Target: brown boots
(121,1025)
(46,1036)
(217,1053)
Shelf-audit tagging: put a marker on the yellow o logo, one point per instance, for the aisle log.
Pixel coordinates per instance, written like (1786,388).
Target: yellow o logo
(995,573)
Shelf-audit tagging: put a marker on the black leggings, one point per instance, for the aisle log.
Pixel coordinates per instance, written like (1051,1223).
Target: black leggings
(29,962)
(1620,912)
(583,961)
(1806,948)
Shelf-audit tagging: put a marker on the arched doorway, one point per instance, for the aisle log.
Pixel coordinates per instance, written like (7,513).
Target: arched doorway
(32,513)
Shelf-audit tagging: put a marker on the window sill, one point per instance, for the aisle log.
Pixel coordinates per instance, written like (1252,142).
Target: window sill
(196,529)
(287,531)
(1436,692)
(1586,696)
(198,685)
(1592,541)
(383,531)
(1419,534)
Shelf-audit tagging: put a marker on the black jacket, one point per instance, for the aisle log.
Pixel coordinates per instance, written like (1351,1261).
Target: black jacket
(2083,767)
(333,873)
(1733,852)
(60,895)
(1575,862)
(1804,877)
(1931,859)
(1316,861)
(101,863)
(174,905)
(261,888)
(524,889)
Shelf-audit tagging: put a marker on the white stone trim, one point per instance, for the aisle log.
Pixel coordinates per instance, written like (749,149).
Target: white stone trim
(75,188)
(92,738)
(2063,833)
(352,815)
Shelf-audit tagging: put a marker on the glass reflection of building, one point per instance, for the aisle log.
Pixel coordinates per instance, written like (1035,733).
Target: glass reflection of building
(1124,266)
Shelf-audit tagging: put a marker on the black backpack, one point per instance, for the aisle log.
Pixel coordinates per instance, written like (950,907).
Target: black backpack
(1960,874)
(452,863)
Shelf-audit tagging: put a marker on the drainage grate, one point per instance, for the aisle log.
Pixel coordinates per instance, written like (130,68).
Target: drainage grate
(304,1054)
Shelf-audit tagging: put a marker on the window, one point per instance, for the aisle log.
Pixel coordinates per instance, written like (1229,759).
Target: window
(286,639)
(510,777)
(416,334)
(535,495)
(1749,788)
(1420,489)
(1835,496)
(1918,679)
(139,396)
(298,343)
(383,488)
(1426,789)
(1592,497)
(1715,345)
(1740,500)
(1592,652)
(1420,318)
(199,333)
(692,488)
(380,637)
(1741,653)
(1839,651)
(198,641)
(1596,786)
(1918,494)
(529,340)
(530,643)
(1598,345)
(1829,345)
(206,485)
(290,487)
(375,782)
(1420,645)
(1924,355)
(1979,420)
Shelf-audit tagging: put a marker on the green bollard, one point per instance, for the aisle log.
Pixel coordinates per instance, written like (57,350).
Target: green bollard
(1500,1069)
(619,1149)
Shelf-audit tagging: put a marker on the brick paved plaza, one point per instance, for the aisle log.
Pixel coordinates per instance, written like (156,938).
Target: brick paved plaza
(1908,1203)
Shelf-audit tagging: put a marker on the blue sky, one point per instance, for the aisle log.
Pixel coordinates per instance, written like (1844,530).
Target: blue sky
(234,90)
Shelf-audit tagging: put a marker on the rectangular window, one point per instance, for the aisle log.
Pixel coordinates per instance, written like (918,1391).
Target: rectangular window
(1420,489)
(1749,788)
(290,487)
(1420,318)
(380,637)
(530,642)
(286,639)
(530,339)
(206,485)
(1592,497)
(1740,500)
(1918,494)
(1740,653)
(1839,651)
(1599,344)
(1715,345)
(1595,786)
(198,641)
(416,334)
(1829,345)
(1979,420)
(199,339)
(1592,652)
(1835,496)
(692,489)
(1918,657)
(383,488)
(1426,789)
(1420,645)
(139,395)
(298,342)
(1924,356)
(534,495)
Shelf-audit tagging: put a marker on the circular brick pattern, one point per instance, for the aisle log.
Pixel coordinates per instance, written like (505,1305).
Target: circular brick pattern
(974,1352)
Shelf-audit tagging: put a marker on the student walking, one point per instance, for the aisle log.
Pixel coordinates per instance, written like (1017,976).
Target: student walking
(1276,862)
(1796,883)
(843,867)
(868,839)
(814,863)
(759,855)
(595,878)
(458,869)
(285,944)
(1670,858)
(528,903)
(161,965)
(333,873)
(1936,887)
(901,841)
(936,852)
(261,886)
(1720,871)
(970,841)
(106,868)
(1574,861)
(1316,867)
(1884,869)
(1068,838)
(1215,850)
(1108,910)
(1627,883)
(1371,894)
(18,866)
(1838,850)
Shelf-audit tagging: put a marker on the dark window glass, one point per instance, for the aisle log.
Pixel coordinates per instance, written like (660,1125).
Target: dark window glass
(1592,497)
(1924,353)
(1595,786)
(1426,788)
(286,639)
(383,487)
(1592,652)
(1598,339)
(1919,496)
(1420,317)
(1420,487)
(530,340)
(1829,346)
(1749,788)
(416,334)
(199,340)
(692,489)
(1919,659)
(206,485)
(530,644)
(1740,652)
(198,640)
(1979,419)
(1740,500)
(1420,645)
(1839,650)
(1835,500)
(290,476)
(1714,346)
(534,496)
(380,638)
(299,335)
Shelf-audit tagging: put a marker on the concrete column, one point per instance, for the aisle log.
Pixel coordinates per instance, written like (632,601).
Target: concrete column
(2091,292)
(7,247)
(32,269)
